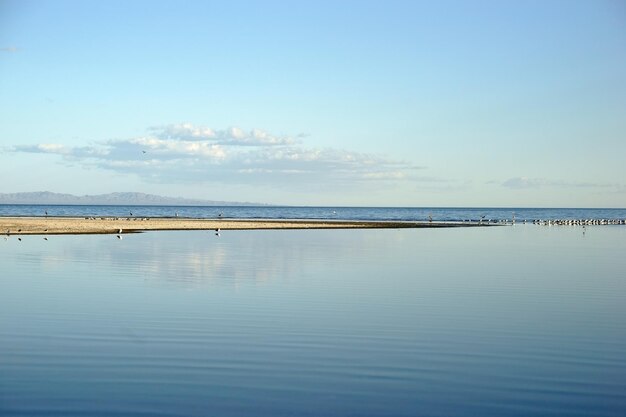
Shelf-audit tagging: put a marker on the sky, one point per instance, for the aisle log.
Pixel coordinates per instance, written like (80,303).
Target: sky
(352,103)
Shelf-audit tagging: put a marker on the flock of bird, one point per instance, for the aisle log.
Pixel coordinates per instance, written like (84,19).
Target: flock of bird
(552,222)
(580,222)
(119,231)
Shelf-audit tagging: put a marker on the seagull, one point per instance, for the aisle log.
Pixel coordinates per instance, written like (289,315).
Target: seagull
(131,213)
(119,237)
(45,238)
(119,231)
(143,151)
(19,238)
(46,230)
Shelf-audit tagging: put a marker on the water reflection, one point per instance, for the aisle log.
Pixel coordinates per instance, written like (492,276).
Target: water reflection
(499,321)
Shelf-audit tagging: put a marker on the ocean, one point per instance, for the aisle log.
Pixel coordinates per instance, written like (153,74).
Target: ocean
(496,321)
(340,213)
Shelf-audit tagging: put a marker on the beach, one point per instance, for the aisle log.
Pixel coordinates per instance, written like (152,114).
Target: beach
(111,225)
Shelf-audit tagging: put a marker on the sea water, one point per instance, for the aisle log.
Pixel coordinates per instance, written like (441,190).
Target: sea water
(501,321)
(332,213)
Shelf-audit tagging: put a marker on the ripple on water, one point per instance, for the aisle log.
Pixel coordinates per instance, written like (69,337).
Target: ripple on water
(370,322)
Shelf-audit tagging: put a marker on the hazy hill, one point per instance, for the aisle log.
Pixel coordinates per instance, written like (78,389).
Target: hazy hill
(126,199)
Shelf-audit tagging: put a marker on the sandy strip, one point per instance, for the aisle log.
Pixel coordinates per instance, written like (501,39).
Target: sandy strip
(100,225)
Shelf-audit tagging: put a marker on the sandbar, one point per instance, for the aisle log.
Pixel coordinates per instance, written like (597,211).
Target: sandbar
(112,225)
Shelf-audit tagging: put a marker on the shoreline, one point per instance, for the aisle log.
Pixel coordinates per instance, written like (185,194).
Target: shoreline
(15,225)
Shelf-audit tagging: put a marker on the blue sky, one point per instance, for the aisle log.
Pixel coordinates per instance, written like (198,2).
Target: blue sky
(384,103)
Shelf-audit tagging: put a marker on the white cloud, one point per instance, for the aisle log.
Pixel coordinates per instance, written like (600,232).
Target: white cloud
(232,136)
(172,148)
(187,154)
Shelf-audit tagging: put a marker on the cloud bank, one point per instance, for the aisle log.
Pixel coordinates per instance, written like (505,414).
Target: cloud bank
(194,154)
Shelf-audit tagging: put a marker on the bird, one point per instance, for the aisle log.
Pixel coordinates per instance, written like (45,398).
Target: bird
(119,231)
(46,230)
(119,237)
(217,234)
(143,151)
(131,213)
(45,238)
(19,238)
(217,230)
(46,212)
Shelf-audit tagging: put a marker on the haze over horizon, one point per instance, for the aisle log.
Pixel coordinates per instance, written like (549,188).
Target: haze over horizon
(484,104)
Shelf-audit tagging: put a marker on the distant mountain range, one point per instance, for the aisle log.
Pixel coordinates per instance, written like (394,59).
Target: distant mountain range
(113,199)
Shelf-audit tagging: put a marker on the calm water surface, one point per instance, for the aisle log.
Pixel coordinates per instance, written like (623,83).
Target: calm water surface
(500,321)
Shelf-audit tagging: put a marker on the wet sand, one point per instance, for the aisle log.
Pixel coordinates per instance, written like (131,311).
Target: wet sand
(112,225)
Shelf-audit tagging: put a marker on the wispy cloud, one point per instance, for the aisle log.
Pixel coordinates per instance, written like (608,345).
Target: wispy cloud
(8,49)
(192,154)
(526,182)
